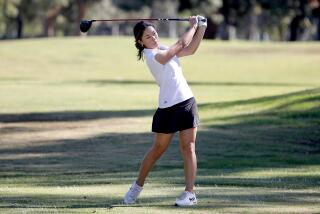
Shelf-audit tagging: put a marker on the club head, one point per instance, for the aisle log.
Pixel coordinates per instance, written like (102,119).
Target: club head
(85,25)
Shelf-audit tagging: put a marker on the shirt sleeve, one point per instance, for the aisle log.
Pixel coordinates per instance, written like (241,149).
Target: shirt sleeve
(151,60)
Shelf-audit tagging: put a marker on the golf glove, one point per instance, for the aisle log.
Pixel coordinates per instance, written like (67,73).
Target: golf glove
(202,21)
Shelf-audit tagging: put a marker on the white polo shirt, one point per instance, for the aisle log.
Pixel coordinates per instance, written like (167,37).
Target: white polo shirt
(173,86)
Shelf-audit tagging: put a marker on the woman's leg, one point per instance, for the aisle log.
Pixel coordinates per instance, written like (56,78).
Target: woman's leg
(160,145)
(187,148)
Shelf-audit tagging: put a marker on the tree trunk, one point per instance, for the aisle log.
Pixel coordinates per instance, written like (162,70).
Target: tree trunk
(49,27)
(318,30)
(19,26)
(4,6)
(294,28)
(223,30)
(81,13)
(253,28)
(50,20)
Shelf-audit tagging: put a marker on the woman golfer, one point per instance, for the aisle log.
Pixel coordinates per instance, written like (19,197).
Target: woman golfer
(177,110)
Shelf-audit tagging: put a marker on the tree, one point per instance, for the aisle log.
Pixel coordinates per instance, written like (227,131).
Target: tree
(315,10)
(11,20)
(52,10)
(72,11)
(233,12)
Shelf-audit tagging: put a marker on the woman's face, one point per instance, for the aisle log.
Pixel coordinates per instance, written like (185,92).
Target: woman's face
(150,38)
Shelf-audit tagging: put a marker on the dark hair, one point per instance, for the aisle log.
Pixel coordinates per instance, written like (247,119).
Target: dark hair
(138,33)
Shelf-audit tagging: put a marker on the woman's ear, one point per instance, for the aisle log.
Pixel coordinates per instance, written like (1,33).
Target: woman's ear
(141,43)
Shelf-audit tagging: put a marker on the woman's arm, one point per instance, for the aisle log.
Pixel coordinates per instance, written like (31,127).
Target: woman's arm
(194,44)
(165,56)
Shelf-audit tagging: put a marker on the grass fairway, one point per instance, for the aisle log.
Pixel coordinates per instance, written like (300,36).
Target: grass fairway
(75,117)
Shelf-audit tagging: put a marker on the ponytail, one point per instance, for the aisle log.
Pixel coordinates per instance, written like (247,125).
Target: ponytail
(140,50)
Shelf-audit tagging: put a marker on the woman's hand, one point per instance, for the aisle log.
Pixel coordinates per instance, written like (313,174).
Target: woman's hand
(193,21)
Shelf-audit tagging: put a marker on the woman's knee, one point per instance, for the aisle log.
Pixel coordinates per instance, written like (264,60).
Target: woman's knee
(188,148)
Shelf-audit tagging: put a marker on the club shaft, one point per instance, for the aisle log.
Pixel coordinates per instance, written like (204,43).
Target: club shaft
(150,19)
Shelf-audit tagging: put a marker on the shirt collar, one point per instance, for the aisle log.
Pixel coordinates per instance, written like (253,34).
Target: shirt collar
(148,50)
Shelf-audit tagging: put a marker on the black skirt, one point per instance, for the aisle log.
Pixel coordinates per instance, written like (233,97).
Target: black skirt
(179,117)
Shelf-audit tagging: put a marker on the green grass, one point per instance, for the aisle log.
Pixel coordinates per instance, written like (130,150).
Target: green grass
(75,117)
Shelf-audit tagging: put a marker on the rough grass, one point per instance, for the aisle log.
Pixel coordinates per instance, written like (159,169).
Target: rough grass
(75,120)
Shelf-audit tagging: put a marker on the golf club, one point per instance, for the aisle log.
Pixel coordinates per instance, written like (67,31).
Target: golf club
(86,24)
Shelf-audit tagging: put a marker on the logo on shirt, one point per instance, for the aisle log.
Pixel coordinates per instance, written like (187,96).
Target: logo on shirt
(165,102)
(192,199)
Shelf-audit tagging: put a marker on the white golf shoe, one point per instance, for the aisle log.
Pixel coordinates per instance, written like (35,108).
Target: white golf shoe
(132,194)
(186,199)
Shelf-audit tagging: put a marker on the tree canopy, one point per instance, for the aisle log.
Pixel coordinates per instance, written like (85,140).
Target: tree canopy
(227,19)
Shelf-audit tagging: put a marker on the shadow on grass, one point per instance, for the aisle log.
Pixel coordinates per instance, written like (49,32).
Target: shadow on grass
(279,137)
(72,116)
(218,200)
(288,99)
(58,201)
(292,118)
(192,83)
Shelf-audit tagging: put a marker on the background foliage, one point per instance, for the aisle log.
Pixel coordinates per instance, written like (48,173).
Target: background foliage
(228,19)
